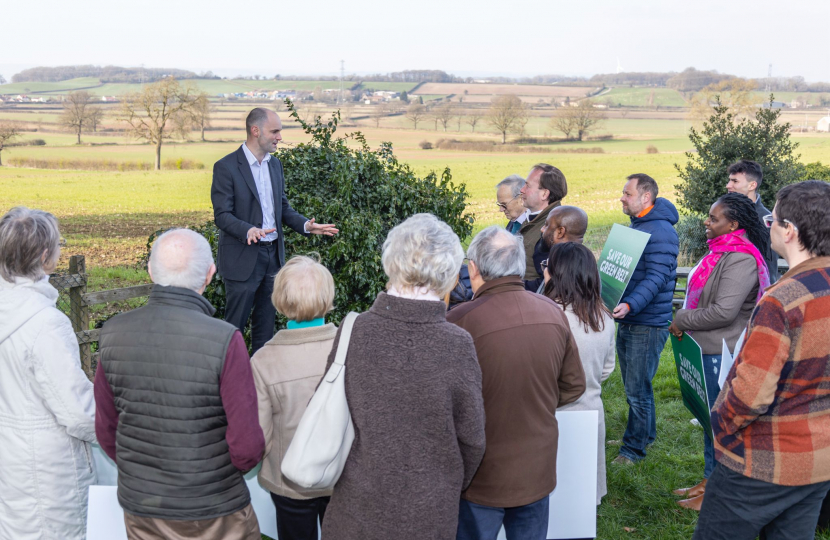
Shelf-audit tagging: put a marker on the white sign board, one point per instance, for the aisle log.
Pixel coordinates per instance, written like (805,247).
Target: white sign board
(105,518)
(573,510)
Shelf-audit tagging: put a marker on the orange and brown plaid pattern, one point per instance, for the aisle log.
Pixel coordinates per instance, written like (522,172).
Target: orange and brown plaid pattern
(772,417)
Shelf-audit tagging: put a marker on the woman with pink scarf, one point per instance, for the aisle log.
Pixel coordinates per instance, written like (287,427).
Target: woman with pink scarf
(721,294)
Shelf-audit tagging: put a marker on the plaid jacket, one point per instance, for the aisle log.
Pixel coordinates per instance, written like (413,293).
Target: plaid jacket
(772,417)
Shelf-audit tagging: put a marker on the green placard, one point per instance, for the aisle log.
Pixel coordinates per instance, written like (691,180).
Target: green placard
(688,358)
(618,260)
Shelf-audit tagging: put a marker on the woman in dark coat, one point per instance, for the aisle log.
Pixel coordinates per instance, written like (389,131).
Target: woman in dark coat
(413,385)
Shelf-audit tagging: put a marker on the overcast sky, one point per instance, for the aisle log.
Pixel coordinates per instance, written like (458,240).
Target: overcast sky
(485,37)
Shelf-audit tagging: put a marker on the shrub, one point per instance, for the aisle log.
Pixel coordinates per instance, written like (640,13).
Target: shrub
(100,164)
(182,164)
(817,171)
(724,140)
(692,236)
(425,145)
(651,149)
(365,193)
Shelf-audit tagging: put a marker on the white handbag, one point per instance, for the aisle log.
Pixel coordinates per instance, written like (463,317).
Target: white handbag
(317,453)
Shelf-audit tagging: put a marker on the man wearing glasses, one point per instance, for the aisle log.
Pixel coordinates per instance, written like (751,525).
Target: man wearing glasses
(509,201)
(771,420)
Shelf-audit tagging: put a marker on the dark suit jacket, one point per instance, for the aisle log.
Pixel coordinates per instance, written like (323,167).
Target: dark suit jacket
(236,208)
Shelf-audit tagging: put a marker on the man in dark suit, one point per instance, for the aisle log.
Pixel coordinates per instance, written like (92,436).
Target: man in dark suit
(250,208)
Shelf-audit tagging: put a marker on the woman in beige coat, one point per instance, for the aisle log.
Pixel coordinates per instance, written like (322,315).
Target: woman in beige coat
(286,371)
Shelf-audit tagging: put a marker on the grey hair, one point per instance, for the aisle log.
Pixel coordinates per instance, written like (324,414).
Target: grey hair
(497,253)
(515,182)
(25,235)
(422,252)
(180,258)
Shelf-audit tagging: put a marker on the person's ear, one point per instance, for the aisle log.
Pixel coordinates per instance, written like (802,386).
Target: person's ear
(210,274)
(472,269)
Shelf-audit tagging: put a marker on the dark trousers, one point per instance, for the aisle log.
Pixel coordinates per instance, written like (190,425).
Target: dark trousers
(528,522)
(737,507)
(297,518)
(241,297)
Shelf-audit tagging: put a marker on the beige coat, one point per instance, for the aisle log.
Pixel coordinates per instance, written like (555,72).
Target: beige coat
(286,371)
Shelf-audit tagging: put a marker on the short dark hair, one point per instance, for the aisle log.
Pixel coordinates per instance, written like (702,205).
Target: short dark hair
(574,219)
(552,180)
(645,184)
(807,206)
(752,170)
(255,118)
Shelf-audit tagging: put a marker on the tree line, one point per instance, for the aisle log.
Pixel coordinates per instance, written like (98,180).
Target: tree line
(106,74)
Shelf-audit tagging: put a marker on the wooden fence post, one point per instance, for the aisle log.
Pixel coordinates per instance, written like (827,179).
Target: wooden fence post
(79,311)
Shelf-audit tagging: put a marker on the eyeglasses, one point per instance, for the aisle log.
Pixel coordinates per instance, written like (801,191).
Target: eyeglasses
(503,205)
(544,264)
(769,218)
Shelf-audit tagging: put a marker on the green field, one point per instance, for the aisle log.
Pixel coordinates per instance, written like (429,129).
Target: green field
(48,87)
(642,97)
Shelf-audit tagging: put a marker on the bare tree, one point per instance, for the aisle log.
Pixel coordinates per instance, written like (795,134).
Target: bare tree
(76,112)
(96,115)
(201,113)
(150,112)
(505,114)
(8,132)
(581,119)
(444,113)
(2,80)
(379,111)
(734,93)
(415,113)
(473,118)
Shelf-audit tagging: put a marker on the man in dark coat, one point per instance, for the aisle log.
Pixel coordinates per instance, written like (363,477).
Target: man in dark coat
(524,380)
(645,311)
(746,177)
(250,208)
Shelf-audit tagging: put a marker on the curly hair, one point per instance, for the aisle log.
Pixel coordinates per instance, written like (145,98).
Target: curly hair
(739,208)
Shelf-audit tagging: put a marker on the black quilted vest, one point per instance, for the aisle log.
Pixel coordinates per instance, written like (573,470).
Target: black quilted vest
(163,362)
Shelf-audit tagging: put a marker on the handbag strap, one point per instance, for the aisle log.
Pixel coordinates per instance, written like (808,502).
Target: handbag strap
(345,337)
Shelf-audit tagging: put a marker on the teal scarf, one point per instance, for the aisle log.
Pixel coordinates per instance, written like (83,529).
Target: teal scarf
(294,325)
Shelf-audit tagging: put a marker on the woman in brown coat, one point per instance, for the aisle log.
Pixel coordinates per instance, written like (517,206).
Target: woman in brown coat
(413,385)
(286,371)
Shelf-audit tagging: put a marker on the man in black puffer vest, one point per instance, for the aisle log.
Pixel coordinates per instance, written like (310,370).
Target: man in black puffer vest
(176,405)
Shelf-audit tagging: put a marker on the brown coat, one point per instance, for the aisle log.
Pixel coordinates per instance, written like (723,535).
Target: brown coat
(414,390)
(725,305)
(531,232)
(530,366)
(286,371)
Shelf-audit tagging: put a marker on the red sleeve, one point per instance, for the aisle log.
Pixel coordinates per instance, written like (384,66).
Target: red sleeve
(236,387)
(106,415)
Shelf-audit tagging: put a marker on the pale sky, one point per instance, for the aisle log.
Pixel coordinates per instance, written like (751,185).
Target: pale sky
(484,37)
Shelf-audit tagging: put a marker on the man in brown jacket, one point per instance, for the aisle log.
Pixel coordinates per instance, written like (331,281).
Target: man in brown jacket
(530,366)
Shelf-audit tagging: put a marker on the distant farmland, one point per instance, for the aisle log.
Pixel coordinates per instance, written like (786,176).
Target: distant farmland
(522,90)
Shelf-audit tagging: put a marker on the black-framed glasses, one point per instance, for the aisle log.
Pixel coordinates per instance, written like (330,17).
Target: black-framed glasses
(503,205)
(544,264)
(769,219)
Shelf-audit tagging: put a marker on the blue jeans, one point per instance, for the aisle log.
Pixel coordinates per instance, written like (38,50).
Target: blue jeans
(638,350)
(478,522)
(711,372)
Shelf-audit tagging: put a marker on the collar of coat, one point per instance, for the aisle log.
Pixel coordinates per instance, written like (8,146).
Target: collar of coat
(813,263)
(541,216)
(180,297)
(408,310)
(500,285)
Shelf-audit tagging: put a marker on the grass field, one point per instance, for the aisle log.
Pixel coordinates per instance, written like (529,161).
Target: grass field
(642,97)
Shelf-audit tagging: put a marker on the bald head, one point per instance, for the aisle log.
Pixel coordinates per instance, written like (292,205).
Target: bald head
(181,258)
(565,224)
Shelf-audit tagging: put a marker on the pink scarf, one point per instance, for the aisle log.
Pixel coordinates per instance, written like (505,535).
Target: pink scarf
(725,243)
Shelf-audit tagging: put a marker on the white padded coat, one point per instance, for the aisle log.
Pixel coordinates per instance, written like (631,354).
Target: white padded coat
(47,418)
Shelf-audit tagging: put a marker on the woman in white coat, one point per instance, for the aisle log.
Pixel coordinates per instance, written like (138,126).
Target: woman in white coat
(572,281)
(47,409)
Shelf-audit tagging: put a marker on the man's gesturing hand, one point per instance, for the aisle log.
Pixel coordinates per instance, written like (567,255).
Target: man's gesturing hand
(320,228)
(255,234)
(621,311)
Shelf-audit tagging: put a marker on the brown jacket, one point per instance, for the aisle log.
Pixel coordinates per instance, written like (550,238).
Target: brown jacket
(530,366)
(287,370)
(725,305)
(531,232)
